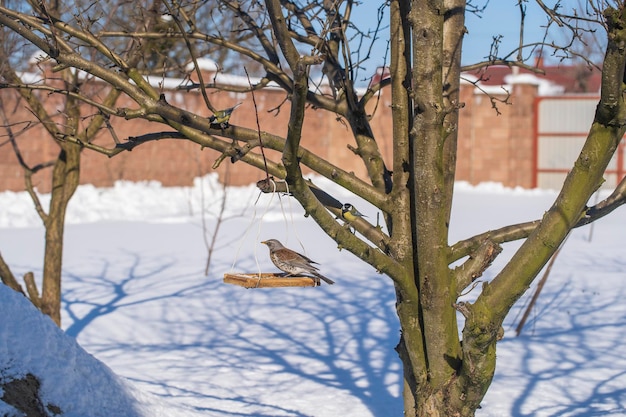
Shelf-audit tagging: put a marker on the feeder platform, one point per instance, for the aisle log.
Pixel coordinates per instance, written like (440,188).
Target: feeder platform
(269,280)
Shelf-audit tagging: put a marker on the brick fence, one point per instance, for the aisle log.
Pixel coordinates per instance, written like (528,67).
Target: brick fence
(492,147)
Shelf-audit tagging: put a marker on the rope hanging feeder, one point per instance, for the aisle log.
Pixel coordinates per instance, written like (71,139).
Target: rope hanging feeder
(270,279)
(265,279)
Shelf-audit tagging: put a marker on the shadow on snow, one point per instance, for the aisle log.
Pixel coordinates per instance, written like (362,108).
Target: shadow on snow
(236,349)
(571,354)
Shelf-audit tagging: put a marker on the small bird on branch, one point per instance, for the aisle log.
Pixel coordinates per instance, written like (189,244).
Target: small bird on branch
(350,213)
(292,262)
(221,117)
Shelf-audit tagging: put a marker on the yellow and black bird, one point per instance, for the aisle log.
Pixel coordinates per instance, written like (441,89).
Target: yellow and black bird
(221,117)
(350,213)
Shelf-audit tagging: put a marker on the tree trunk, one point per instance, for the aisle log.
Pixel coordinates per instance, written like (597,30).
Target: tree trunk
(430,208)
(65,178)
(430,348)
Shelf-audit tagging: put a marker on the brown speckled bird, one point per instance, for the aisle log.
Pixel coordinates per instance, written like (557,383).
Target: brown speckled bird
(292,262)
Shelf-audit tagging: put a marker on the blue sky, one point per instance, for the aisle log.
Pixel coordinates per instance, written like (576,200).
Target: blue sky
(500,18)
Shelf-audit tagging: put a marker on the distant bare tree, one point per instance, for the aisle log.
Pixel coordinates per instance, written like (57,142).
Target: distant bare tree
(66,166)
(446,373)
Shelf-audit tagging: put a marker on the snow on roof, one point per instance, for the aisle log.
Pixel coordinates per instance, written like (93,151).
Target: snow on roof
(492,89)
(167,83)
(30,78)
(545,87)
(467,78)
(574,78)
(204,64)
(37,58)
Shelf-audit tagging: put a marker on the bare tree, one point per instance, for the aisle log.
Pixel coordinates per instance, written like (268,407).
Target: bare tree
(65,167)
(445,373)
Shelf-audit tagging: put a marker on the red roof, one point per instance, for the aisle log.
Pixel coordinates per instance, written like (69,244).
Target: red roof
(579,78)
(575,78)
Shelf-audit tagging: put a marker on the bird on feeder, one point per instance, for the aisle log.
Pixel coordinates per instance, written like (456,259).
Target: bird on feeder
(292,262)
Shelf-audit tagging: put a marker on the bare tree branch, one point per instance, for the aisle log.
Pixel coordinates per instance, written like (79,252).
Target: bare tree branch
(8,278)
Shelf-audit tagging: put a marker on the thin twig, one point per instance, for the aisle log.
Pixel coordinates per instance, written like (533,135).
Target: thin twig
(220,219)
(258,127)
(191,50)
(540,285)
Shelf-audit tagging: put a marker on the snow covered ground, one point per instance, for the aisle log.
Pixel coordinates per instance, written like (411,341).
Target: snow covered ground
(136,298)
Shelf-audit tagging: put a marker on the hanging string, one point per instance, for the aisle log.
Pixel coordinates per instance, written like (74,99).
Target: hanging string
(247,231)
(271,180)
(267,176)
(295,229)
(258,126)
(289,224)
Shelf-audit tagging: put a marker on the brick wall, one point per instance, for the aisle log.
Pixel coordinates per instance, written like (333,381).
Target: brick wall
(497,145)
(491,147)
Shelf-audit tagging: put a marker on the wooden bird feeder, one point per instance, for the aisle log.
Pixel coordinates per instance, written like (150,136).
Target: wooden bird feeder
(269,280)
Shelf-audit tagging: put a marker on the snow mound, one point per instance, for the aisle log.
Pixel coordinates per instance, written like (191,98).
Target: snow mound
(71,380)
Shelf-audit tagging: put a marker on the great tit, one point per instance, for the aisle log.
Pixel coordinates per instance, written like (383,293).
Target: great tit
(221,117)
(350,213)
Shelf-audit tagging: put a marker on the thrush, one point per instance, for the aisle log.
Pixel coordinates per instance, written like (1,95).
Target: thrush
(222,117)
(292,262)
(350,213)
